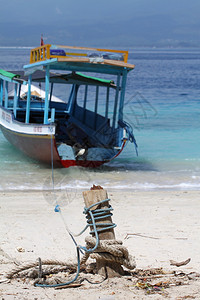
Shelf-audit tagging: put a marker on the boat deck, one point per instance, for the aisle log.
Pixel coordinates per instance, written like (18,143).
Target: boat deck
(91,59)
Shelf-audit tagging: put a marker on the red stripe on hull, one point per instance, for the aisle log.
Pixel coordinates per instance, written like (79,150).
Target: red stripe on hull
(123,145)
(81,163)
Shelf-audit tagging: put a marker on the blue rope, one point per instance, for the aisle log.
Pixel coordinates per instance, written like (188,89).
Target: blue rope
(129,130)
(99,214)
(69,282)
(92,216)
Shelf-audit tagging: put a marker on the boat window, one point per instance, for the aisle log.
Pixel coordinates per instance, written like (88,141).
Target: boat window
(11,87)
(62,91)
(98,99)
(11,92)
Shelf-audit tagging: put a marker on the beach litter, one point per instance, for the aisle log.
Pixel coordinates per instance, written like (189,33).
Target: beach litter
(20,249)
(147,280)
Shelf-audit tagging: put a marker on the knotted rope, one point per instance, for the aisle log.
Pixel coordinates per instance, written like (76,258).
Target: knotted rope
(23,267)
(109,250)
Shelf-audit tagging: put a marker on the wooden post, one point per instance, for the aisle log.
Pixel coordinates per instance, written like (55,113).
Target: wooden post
(104,268)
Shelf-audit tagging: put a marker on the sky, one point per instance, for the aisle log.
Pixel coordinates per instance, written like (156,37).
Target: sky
(160,23)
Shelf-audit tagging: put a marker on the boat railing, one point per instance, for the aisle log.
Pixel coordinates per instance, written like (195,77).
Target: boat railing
(40,53)
(48,51)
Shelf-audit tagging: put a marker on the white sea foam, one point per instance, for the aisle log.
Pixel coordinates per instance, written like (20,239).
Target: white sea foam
(15,47)
(82,185)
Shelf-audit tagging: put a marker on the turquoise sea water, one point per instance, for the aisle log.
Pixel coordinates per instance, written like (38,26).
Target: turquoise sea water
(163,107)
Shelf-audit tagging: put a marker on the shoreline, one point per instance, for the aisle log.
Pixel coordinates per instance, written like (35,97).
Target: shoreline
(120,190)
(162,226)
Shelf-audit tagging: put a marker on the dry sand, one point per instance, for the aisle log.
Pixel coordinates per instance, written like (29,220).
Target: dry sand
(164,226)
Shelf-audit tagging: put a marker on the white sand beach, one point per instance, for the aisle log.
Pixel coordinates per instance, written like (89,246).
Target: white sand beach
(162,226)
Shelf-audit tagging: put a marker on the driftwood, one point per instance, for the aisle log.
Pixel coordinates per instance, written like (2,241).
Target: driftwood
(72,285)
(141,235)
(179,264)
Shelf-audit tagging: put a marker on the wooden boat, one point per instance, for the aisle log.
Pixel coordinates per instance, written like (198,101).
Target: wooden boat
(87,129)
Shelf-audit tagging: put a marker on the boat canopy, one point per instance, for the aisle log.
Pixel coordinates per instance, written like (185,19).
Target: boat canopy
(70,78)
(76,78)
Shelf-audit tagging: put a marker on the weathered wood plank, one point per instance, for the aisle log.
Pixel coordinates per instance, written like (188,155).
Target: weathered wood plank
(110,269)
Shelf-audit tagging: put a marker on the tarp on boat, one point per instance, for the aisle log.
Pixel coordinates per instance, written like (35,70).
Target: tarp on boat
(8,74)
(106,81)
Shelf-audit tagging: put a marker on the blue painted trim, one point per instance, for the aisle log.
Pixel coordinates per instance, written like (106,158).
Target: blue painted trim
(122,96)
(85,102)
(40,64)
(84,67)
(71,99)
(96,106)
(28,102)
(53,115)
(1,92)
(46,104)
(4,78)
(6,94)
(15,101)
(73,66)
(116,101)
(107,103)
